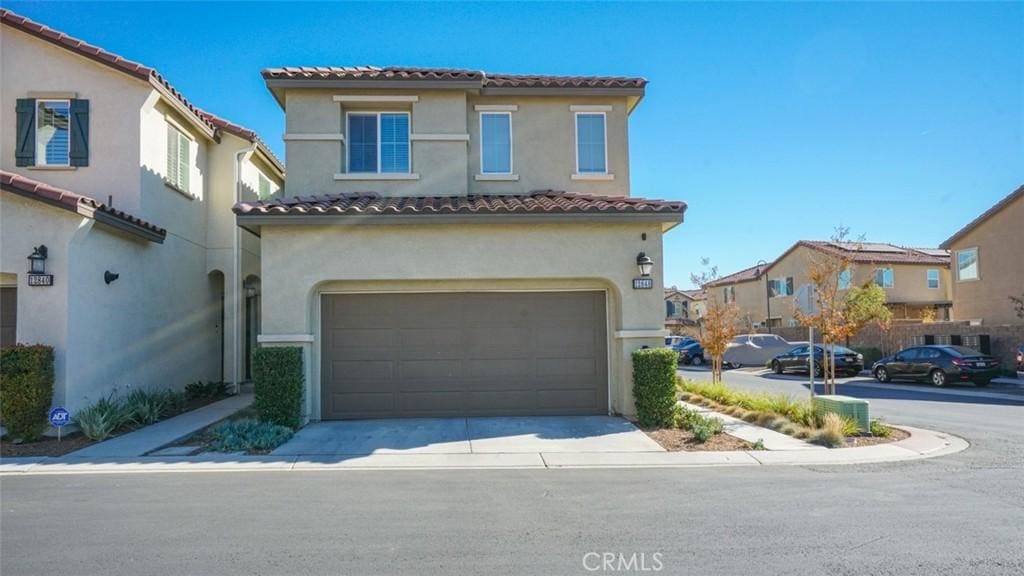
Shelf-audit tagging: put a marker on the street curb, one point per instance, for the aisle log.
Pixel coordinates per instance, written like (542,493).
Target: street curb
(920,445)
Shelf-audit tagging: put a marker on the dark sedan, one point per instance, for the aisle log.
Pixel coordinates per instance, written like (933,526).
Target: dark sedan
(799,360)
(938,364)
(692,353)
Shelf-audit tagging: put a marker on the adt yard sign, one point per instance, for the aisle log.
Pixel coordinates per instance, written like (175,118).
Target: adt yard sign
(59,418)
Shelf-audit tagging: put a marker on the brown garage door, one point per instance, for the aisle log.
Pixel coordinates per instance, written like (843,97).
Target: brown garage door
(463,354)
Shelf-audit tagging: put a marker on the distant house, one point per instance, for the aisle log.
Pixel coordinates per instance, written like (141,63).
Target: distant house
(916,280)
(683,308)
(988,263)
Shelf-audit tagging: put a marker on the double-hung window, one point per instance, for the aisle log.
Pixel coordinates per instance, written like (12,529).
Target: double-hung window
(53,133)
(967,264)
(933,278)
(378,142)
(781,287)
(884,277)
(179,155)
(591,151)
(496,142)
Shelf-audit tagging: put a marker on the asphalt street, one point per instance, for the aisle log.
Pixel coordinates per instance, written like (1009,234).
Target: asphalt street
(956,515)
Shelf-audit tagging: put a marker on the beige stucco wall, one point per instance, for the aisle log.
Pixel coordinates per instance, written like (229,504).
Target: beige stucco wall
(1000,243)
(543,131)
(29,65)
(449,257)
(910,286)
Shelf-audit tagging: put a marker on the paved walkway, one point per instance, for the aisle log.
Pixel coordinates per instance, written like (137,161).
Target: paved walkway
(154,436)
(771,439)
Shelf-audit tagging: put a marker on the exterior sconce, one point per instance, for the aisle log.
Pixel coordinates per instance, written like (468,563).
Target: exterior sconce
(37,260)
(109,276)
(645,264)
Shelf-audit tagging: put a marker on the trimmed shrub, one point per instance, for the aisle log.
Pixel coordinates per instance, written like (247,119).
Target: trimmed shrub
(278,385)
(248,435)
(654,386)
(27,375)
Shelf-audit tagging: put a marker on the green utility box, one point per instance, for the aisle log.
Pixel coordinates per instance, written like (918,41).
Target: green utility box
(846,407)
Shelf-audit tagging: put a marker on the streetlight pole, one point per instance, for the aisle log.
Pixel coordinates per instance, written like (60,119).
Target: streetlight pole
(762,268)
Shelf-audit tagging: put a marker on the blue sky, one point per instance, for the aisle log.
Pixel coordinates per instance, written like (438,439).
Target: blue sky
(775,122)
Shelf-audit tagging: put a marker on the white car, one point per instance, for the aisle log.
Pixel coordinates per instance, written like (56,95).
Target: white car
(754,349)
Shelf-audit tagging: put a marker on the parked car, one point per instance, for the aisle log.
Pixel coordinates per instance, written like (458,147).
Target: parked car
(754,349)
(678,342)
(798,360)
(1020,362)
(692,353)
(938,364)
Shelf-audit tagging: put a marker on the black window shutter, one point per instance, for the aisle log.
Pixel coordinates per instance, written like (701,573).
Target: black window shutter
(79,154)
(25,146)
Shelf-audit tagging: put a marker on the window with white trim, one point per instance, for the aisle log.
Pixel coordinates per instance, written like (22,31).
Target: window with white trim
(378,142)
(179,158)
(884,277)
(781,287)
(53,133)
(495,142)
(730,295)
(933,278)
(591,148)
(967,264)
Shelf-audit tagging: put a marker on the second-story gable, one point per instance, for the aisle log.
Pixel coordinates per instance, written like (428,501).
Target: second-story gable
(409,132)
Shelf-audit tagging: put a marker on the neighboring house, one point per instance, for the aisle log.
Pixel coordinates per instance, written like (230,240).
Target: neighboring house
(129,188)
(916,280)
(988,263)
(683,308)
(426,258)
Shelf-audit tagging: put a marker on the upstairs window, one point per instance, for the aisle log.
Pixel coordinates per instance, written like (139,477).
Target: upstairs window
(967,264)
(496,143)
(179,159)
(591,155)
(781,287)
(884,277)
(730,295)
(845,277)
(52,132)
(378,142)
(933,278)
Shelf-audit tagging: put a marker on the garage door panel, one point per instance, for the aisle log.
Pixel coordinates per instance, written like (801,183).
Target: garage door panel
(464,354)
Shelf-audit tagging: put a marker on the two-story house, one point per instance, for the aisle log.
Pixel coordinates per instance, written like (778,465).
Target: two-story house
(988,264)
(683,309)
(454,242)
(916,280)
(120,191)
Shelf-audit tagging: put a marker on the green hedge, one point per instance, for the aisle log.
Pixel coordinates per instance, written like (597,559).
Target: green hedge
(27,375)
(654,386)
(279,383)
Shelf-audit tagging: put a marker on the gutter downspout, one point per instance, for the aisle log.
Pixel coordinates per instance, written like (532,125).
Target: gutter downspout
(236,266)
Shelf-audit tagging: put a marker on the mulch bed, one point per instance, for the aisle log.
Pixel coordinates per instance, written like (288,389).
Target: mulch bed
(45,447)
(677,440)
(48,446)
(858,441)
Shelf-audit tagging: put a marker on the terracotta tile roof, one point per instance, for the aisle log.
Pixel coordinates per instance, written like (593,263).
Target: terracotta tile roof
(450,74)
(996,208)
(539,202)
(741,276)
(243,133)
(80,204)
(129,67)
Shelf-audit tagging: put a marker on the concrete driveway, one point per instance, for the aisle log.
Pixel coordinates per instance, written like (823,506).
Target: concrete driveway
(469,435)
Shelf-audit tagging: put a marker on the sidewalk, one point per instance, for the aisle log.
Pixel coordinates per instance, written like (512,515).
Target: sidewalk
(921,444)
(154,436)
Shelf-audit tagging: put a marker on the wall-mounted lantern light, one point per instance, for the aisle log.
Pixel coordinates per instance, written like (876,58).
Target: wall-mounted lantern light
(644,263)
(109,276)
(37,260)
